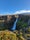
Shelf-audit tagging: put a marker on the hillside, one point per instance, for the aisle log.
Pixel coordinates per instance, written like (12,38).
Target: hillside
(7,35)
(15,35)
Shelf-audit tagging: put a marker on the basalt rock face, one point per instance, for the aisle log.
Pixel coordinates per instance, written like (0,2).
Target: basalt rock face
(10,19)
(8,22)
(23,19)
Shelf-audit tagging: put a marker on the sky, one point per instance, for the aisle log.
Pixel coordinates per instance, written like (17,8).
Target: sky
(12,6)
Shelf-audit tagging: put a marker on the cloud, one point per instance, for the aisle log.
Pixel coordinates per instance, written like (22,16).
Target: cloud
(22,11)
(17,12)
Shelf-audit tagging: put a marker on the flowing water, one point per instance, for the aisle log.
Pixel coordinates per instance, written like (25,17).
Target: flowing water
(14,25)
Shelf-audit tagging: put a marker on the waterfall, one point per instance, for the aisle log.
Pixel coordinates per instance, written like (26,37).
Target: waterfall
(14,25)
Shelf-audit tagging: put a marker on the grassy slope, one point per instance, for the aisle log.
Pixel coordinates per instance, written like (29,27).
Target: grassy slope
(7,35)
